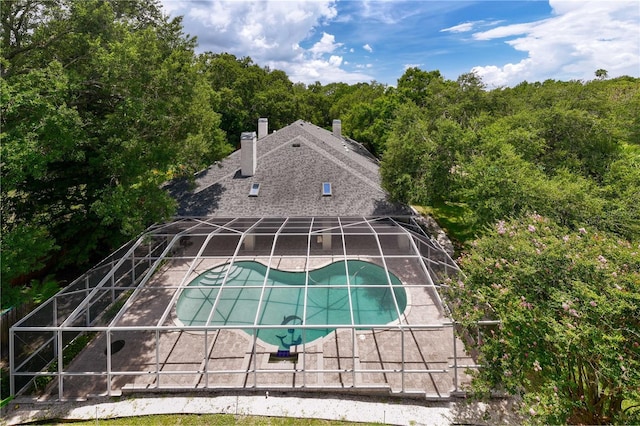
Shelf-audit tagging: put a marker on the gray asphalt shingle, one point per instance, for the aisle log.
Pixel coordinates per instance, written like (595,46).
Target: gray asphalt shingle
(290,179)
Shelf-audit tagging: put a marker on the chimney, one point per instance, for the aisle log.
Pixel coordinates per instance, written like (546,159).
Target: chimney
(263,127)
(337,128)
(248,153)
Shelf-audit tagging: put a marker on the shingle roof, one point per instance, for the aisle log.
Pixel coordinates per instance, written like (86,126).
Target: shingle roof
(290,179)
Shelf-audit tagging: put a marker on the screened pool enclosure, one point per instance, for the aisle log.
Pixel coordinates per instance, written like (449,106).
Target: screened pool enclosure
(325,303)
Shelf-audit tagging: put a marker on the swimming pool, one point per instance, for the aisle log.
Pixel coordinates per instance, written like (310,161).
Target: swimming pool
(283,296)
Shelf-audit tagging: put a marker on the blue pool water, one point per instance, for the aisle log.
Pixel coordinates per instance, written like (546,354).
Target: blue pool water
(327,299)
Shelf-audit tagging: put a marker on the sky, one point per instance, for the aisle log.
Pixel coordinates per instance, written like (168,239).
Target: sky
(351,41)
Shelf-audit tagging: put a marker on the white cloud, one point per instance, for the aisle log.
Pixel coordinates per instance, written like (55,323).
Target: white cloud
(468,26)
(392,12)
(322,71)
(580,38)
(368,48)
(327,44)
(461,28)
(270,32)
(170,7)
(335,60)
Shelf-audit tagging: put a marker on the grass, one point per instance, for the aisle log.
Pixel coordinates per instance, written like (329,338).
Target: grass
(207,419)
(456,219)
(631,409)
(6,401)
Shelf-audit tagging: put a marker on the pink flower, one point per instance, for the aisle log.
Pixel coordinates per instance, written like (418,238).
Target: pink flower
(565,238)
(565,306)
(532,411)
(501,228)
(582,231)
(531,228)
(536,366)
(593,303)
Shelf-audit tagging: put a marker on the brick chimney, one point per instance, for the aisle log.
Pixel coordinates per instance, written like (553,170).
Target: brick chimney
(248,153)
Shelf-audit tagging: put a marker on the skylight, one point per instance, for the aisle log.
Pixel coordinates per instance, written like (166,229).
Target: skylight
(255,188)
(326,189)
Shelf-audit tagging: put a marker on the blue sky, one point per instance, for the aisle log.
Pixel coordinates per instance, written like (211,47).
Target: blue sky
(505,42)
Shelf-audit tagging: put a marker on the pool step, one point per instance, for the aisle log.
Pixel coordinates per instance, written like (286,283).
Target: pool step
(215,278)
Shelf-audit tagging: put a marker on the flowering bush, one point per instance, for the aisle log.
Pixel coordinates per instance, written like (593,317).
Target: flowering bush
(569,305)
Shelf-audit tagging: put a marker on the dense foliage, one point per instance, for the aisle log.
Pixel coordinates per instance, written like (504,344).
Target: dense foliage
(548,175)
(104,100)
(568,301)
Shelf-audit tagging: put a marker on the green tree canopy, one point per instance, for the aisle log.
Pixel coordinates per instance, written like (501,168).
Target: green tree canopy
(102,102)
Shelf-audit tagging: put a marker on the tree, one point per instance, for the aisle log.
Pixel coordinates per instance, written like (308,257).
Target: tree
(601,74)
(414,85)
(102,102)
(401,165)
(578,140)
(469,100)
(276,101)
(497,183)
(428,90)
(569,306)
(622,194)
(368,117)
(311,104)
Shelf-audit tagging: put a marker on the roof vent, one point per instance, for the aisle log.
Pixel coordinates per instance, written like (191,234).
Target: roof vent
(337,128)
(263,127)
(248,153)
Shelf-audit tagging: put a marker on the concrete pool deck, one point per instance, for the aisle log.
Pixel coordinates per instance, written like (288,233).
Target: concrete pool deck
(392,411)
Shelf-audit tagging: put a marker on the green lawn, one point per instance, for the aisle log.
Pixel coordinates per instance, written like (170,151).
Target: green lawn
(455,219)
